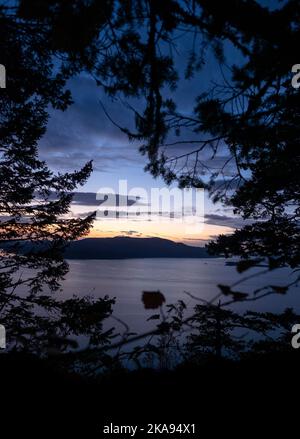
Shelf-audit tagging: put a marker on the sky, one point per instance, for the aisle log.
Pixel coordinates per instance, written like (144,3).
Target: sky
(84,132)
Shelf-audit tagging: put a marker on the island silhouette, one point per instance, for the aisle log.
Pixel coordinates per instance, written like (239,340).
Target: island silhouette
(122,247)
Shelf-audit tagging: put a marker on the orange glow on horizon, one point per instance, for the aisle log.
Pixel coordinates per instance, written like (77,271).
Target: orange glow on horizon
(166,230)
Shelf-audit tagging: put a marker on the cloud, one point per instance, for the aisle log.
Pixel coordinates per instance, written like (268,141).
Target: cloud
(96,199)
(225,221)
(83,132)
(83,214)
(130,232)
(228,184)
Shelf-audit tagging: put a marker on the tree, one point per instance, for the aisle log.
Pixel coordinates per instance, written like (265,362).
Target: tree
(250,117)
(220,332)
(248,121)
(40,53)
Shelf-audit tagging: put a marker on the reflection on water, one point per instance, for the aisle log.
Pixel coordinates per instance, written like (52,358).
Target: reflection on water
(127,279)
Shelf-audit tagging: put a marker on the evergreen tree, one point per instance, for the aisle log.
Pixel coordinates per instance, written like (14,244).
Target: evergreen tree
(41,49)
(239,138)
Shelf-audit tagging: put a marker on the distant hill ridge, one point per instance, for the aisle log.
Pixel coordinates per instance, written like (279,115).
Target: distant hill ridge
(121,247)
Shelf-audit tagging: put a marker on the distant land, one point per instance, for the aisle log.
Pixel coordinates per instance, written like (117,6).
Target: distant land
(121,247)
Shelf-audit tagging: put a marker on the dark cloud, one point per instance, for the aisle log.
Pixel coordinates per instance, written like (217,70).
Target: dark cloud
(228,184)
(117,213)
(96,199)
(84,132)
(225,221)
(93,199)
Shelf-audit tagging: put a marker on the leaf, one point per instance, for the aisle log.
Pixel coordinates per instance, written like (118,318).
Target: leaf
(279,289)
(153,299)
(225,289)
(154,317)
(164,327)
(236,295)
(239,296)
(246,264)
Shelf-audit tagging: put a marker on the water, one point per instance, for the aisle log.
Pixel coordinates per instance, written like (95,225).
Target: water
(127,279)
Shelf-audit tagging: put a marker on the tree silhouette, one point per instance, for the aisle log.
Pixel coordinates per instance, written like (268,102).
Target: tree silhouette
(220,332)
(249,117)
(41,49)
(239,138)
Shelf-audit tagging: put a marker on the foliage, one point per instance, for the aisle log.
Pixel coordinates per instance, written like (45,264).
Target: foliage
(40,53)
(239,137)
(248,122)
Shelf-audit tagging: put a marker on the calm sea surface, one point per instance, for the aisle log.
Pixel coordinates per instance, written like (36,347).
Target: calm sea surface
(127,279)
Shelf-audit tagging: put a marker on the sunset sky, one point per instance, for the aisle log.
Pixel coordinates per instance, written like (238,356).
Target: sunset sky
(84,133)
